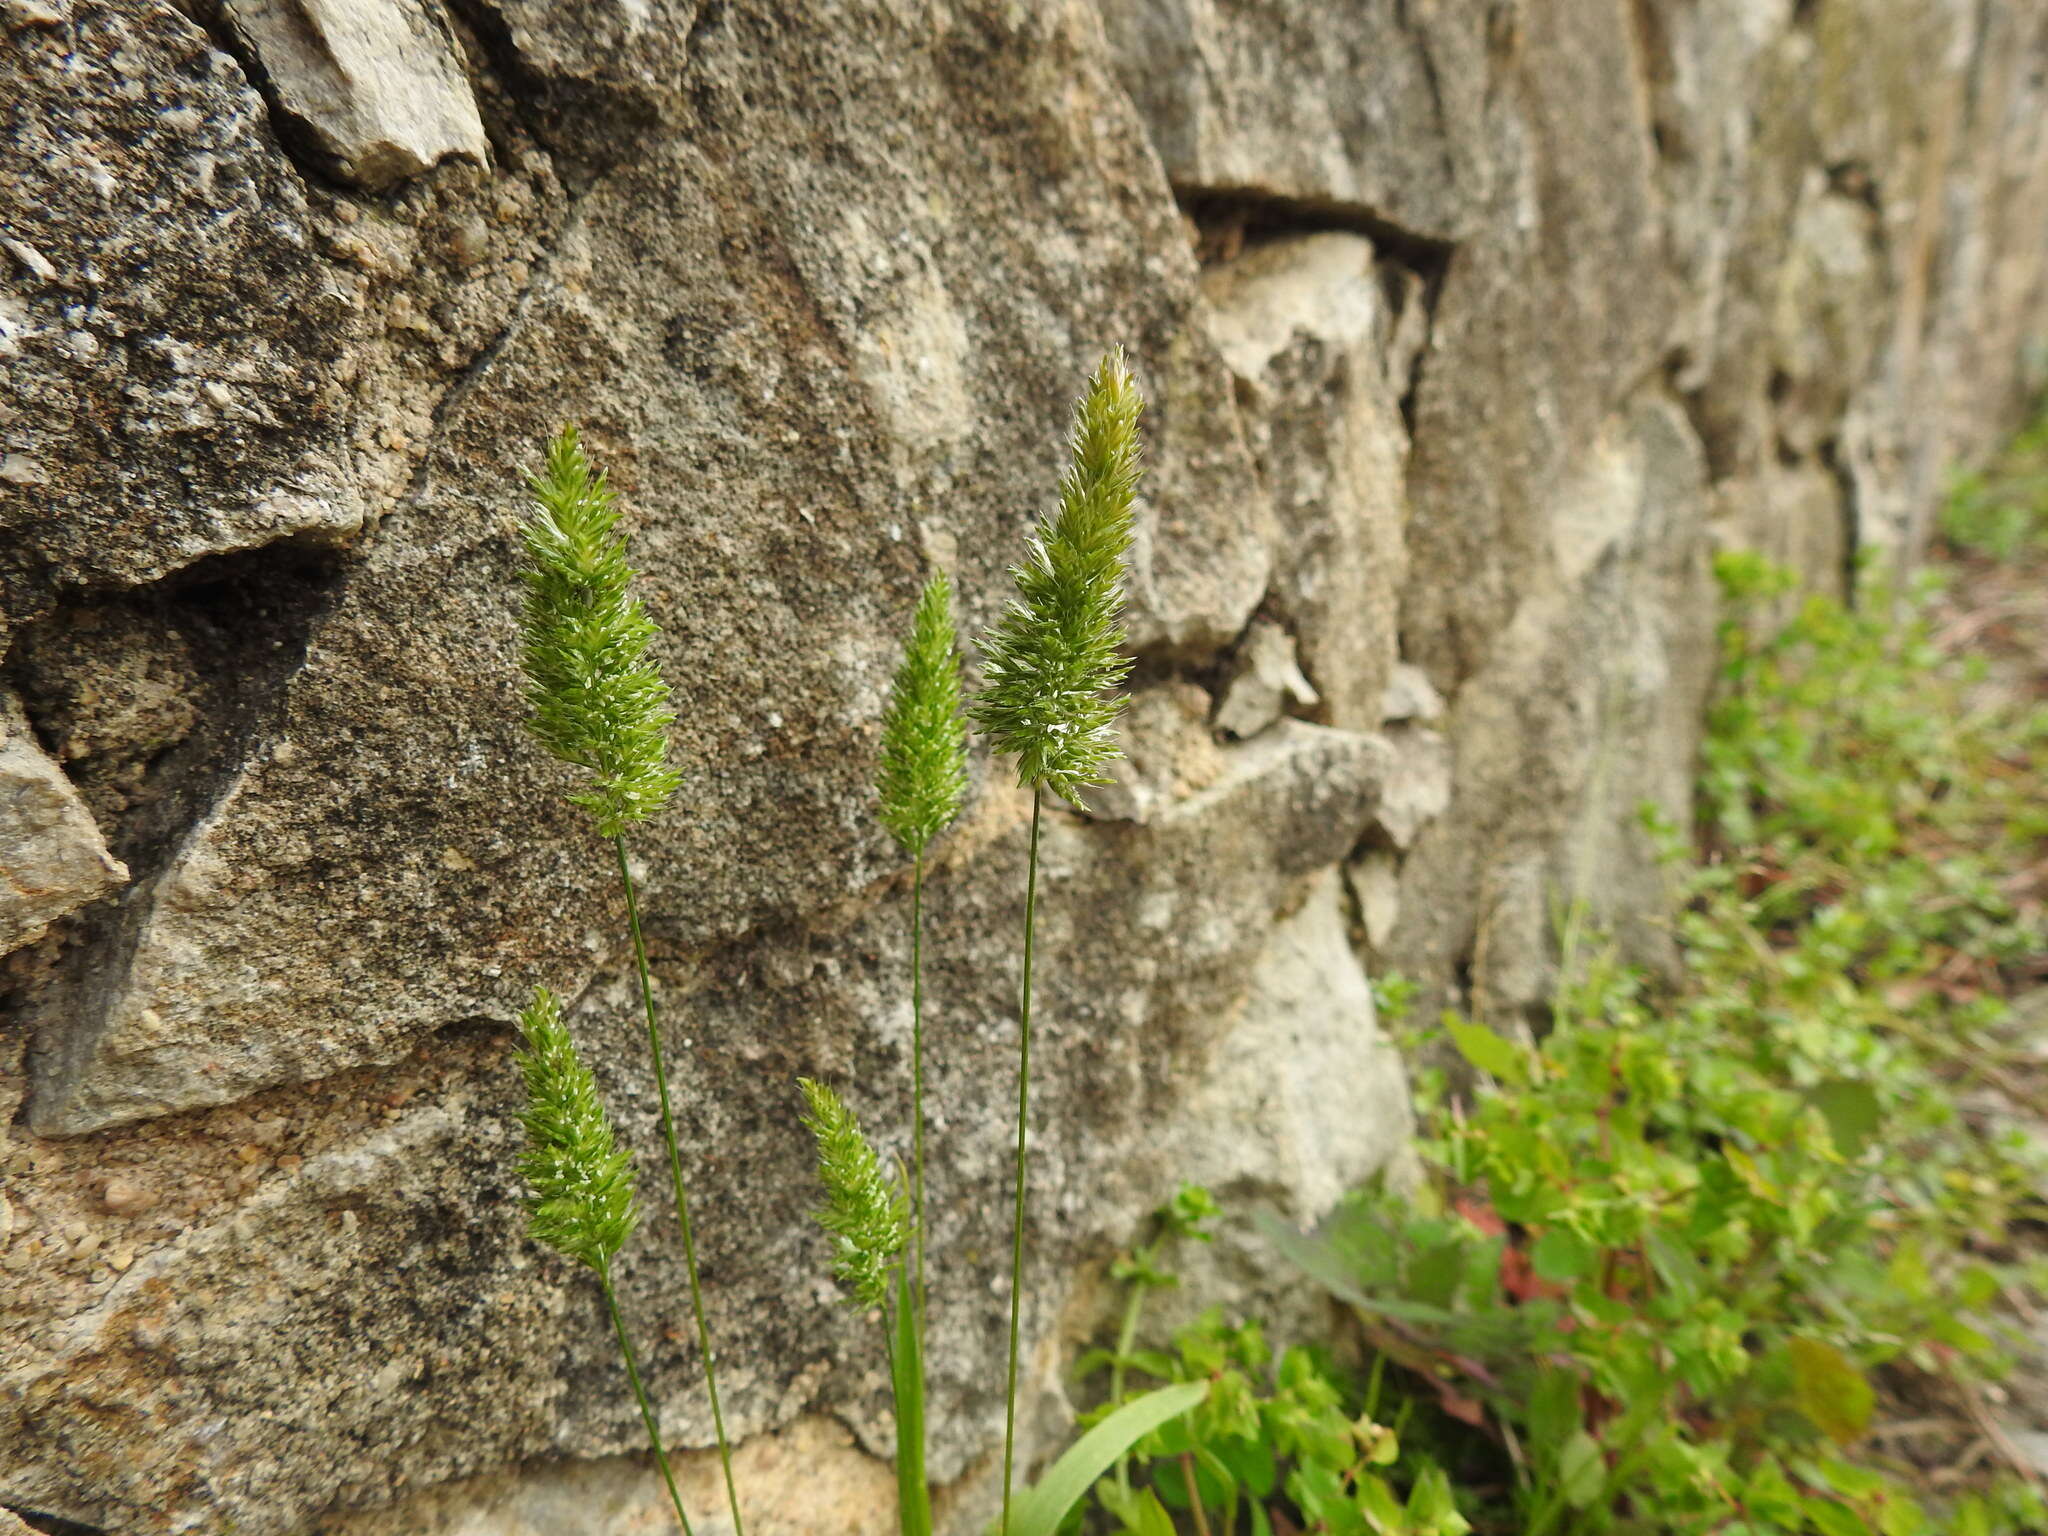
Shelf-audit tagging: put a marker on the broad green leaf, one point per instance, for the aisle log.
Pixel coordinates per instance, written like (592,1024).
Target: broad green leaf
(1562,1255)
(1042,1507)
(1152,1518)
(1382,1511)
(1851,1110)
(1320,1263)
(1581,1470)
(1491,1053)
(1829,1390)
(1832,1519)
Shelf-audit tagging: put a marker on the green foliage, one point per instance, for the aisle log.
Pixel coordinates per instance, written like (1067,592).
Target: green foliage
(906,1383)
(581,1181)
(1273,1445)
(597,700)
(867,1213)
(2002,512)
(1050,664)
(1292,1442)
(923,776)
(1669,1255)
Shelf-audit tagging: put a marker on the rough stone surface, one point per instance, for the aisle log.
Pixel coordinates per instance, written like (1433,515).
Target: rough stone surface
(1468,328)
(52,860)
(375,87)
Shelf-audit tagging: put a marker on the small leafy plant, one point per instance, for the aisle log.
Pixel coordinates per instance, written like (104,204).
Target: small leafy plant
(1673,1257)
(1293,1445)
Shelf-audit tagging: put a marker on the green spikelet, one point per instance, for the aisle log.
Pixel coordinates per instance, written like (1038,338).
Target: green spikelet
(864,1209)
(1050,662)
(582,1184)
(923,775)
(597,701)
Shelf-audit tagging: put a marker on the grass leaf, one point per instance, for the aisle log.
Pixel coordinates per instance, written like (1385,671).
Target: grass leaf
(1045,1506)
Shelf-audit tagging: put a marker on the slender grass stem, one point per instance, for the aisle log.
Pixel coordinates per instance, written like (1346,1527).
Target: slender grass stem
(1187,1476)
(1126,1341)
(675,1170)
(611,1301)
(914,1492)
(917,1231)
(1023,1129)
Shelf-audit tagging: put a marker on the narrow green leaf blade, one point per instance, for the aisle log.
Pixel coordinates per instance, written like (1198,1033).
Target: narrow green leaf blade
(1044,1506)
(906,1363)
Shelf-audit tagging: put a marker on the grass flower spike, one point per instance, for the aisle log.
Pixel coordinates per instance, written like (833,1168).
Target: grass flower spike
(864,1210)
(581,1203)
(580,1183)
(923,776)
(597,701)
(1050,664)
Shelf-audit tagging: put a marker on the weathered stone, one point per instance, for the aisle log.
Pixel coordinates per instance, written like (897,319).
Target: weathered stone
(174,343)
(376,87)
(52,858)
(806,1480)
(1409,696)
(1169,753)
(1587,710)
(1418,788)
(1373,107)
(1325,1106)
(1375,881)
(1303,325)
(1268,681)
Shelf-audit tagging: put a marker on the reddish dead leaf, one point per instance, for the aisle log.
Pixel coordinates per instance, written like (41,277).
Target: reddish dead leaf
(1479,1211)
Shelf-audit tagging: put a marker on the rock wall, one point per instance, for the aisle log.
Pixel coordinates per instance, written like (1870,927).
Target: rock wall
(1469,327)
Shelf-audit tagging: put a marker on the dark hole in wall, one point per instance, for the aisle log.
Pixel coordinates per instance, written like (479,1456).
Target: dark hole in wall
(217,642)
(1229,221)
(588,126)
(1832,458)
(51,1525)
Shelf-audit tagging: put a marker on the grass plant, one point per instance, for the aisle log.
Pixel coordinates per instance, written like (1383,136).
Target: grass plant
(598,702)
(1050,668)
(1052,665)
